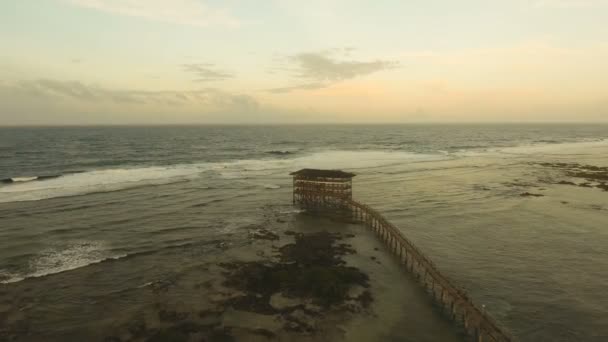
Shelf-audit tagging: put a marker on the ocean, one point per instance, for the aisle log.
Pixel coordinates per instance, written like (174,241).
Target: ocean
(89,215)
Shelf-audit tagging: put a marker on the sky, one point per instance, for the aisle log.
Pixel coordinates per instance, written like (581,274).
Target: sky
(79,62)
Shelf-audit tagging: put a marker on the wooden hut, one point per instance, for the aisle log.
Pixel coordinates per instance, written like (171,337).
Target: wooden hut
(314,188)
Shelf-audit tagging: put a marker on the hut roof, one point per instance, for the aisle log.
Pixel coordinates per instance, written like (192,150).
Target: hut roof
(314,173)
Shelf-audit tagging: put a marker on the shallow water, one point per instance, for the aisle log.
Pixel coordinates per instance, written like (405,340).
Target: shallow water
(538,264)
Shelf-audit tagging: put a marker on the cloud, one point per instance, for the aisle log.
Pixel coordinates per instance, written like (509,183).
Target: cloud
(205,72)
(58,90)
(182,12)
(307,86)
(320,70)
(323,68)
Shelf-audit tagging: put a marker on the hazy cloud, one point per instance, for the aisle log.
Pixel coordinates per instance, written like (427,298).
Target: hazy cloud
(307,86)
(77,91)
(205,72)
(183,12)
(321,69)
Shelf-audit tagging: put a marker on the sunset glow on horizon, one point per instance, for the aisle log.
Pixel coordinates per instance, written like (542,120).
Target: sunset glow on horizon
(283,61)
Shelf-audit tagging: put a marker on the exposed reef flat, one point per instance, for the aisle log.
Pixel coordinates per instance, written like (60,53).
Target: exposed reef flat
(581,175)
(294,277)
(549,174)
(528,194)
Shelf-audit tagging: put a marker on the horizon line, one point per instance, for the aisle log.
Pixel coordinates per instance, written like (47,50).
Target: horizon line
(44,125)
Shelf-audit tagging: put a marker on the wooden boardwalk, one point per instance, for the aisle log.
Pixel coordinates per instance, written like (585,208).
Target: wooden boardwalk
(476,322)
(331,190)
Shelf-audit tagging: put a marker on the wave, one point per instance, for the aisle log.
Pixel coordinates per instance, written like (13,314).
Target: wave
(353,160)
(272,186)
(72,184)
(56,260)
(108,180)
(280,153)
(538,147)
(27,179)
(83,254)
(24,179)
(566,147)
(75,183)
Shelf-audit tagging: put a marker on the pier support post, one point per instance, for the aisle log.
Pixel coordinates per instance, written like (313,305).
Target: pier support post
(453,309)
(478,335)
(454,301)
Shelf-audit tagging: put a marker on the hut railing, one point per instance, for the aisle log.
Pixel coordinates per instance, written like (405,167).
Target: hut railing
(477,322)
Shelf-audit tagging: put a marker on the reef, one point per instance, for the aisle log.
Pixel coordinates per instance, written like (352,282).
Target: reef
(292,291)
(310,269)
(581,175)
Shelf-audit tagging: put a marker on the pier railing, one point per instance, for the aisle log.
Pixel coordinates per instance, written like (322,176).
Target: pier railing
(454,301)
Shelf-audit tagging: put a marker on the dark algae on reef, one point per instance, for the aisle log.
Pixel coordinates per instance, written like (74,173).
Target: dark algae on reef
(309,269)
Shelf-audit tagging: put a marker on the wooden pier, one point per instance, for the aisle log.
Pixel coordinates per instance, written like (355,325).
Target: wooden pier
(332,190)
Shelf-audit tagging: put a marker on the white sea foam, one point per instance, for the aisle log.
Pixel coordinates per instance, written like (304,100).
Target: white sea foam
(60,259)
(117,179)
(23,179)
(272,186)
(353,160)
(93,181)
(581,147)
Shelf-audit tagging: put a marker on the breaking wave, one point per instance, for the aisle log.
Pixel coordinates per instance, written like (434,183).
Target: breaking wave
(56,260)
(73,184)
(79,182)
(27,179)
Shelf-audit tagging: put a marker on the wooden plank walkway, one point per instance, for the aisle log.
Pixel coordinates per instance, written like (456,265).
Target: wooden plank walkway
(476,322)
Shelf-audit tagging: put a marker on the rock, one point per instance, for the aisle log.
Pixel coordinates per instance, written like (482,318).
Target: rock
(527,194)
(366,298)
(312,268)
(352,306)
(310,307)
(566,183)
(220,297)
(299,321)
(280,302)
(356,291)
(303,317)
(263,234)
